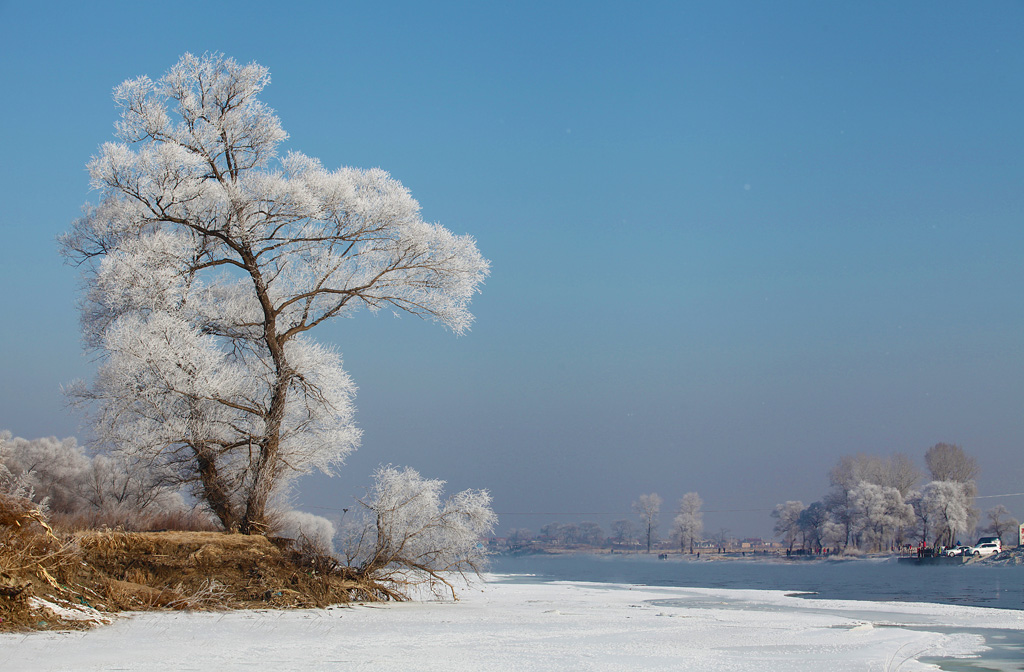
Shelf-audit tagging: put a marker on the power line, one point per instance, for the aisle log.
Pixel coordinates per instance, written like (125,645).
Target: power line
(575,513)
(613,513)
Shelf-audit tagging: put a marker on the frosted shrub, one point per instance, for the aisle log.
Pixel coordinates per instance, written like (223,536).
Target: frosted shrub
(307,528)
(55,470)
(410,535)
(16,486)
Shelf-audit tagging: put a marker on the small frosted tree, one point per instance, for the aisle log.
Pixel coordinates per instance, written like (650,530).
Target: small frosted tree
(689,521)
(411,535)
(648,507)
(207,262)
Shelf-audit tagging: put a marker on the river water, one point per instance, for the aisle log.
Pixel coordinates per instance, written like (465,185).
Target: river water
(979,584)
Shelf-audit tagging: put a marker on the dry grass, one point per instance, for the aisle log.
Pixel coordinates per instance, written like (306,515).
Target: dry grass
(59,579)
(194,520)
(33,561)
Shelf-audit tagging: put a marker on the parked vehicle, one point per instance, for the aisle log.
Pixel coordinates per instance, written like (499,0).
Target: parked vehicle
(988,548)
(990,540)
(958,550)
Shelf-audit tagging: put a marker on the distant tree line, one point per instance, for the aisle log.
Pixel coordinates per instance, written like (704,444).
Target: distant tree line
(86,490)
(877,503)
(687,528)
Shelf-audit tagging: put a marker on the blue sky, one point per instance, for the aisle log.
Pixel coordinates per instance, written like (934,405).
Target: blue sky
(731,241)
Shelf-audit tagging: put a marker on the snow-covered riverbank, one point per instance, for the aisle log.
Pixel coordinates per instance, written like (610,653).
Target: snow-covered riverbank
(505,625)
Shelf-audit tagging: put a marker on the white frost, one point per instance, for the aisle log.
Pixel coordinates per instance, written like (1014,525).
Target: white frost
(556,626)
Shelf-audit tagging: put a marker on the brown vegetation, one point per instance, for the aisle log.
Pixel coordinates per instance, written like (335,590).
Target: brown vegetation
(62,579)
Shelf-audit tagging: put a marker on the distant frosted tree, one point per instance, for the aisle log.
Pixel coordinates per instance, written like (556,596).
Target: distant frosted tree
(925,516)
(590,534)
(569,534)
(624,532)
(648,507)
(901,474)
(837,503)
(1000,521)
(689,521)
(852,470)
(67,480)
(56,470)
(949,509)
(787,521)
(814,524)
(551,531)
(880,513)
(949,462)
(519,537)
(14,485)
(207,262)
(897,471)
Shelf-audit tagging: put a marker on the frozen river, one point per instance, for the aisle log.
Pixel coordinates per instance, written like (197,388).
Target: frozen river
(977,584)
(595,613)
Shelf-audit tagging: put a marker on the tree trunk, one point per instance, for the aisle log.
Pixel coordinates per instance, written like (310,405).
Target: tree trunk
(265,475)
(215,491)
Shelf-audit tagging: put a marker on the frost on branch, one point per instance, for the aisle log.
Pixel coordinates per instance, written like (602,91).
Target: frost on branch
(410,535)
(205,263)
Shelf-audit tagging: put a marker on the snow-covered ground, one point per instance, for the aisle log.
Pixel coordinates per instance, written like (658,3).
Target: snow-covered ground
(533,626)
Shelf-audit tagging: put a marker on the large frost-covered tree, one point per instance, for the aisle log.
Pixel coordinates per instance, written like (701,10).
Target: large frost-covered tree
(207,260)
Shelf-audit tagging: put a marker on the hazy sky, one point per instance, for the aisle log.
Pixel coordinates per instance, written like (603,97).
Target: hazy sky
(731,241)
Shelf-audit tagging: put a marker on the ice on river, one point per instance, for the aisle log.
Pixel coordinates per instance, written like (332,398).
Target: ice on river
(515,625)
